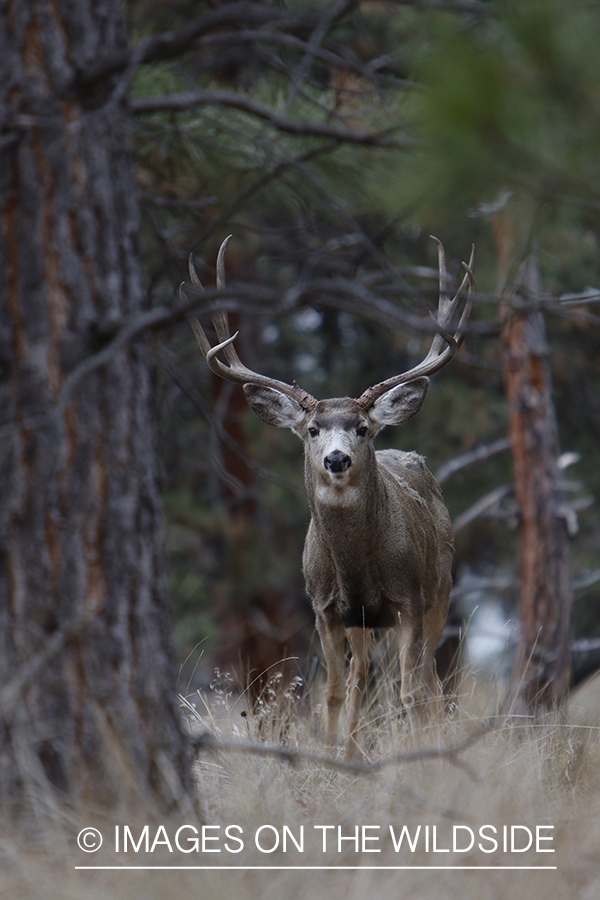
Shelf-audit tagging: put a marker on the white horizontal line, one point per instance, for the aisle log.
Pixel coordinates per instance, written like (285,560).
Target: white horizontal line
(319,868)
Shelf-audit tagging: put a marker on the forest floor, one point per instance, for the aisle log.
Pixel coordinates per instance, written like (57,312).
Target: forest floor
(478,807)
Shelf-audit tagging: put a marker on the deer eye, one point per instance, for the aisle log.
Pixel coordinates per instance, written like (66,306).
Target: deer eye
(313,431)
(362,430)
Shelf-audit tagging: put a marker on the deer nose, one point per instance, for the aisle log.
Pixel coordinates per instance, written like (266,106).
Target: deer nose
(337,461)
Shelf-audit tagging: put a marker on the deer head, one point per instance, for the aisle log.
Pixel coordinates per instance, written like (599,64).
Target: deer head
(338,433)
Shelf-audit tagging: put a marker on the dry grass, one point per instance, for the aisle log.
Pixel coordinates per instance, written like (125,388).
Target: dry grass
(512,775)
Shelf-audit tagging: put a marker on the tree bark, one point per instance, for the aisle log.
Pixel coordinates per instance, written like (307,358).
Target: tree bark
(86,664)
(542,667)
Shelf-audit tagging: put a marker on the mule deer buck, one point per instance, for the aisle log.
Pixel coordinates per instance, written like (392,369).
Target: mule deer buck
(379,548)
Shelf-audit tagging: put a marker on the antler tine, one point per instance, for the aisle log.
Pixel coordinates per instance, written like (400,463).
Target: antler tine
(196,326)
(449,332)
(466,314)
(439,340)
(219,319)
(221,263)
(235,370)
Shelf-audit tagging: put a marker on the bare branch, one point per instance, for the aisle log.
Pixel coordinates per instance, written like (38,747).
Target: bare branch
(25,675)
(181,102)
(339,293)
(328,17)
(263,181)
(586,581)
(473,583)
(470,7)
(207,741)
(214,422)
(589,295)
(485,451)
(169,46)
(485,583)
(161,47)
(584,645)
(486,506)
(332,53)
(131,329)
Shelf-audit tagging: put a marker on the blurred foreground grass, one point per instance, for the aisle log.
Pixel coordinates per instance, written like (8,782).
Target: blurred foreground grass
(546,775)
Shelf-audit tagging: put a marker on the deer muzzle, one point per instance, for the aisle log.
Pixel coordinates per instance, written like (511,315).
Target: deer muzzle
(337,462)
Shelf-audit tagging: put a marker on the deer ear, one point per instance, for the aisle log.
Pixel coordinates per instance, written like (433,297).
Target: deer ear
(399,404)
(275,408)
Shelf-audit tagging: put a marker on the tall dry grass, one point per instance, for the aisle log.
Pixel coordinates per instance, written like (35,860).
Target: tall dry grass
(514,774)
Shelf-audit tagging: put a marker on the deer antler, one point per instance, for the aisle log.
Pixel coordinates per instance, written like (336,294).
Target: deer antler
(235,370)
(451,331)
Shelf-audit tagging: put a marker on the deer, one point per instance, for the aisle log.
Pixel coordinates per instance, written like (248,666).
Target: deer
(379,548)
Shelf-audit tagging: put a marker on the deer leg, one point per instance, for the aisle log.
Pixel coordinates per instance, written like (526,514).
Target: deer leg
(360,645)
(429,671)
(433,626)
(331,633)
(411,646)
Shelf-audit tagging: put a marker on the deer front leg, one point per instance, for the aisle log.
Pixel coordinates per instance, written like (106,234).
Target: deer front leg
(433,626)
(360,645)
(331,633)
(411,646)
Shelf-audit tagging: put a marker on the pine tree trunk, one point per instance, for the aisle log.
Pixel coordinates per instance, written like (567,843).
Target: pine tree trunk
(86,664)
(542,667)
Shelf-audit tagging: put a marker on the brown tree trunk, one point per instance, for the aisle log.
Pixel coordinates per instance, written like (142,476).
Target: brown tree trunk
(541,671)
(86,665)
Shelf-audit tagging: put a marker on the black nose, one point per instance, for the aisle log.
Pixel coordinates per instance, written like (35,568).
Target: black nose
(337,461)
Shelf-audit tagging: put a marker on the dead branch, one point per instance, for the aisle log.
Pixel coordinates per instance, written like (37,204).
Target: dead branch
(160,47)
(330,52)
(339,293)
(473,583)
(328,18)
(207,741)
(213,422)
(470,7)
(186,101)
(584,645)
(263,181)
(485,451)
(52,646)
(486,506)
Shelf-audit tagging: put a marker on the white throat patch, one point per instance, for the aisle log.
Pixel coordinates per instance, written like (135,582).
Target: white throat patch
(338,494)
